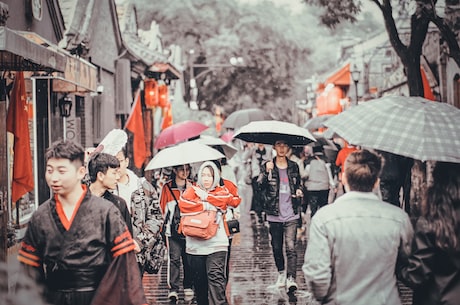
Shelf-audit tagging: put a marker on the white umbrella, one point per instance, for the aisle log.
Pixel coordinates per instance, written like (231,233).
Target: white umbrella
(183,153)
(408,126)
(229,149)
(267,132)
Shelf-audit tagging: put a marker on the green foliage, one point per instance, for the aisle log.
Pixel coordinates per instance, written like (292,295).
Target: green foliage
(280,49)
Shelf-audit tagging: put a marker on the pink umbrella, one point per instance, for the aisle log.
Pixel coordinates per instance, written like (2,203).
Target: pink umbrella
(228,136)
(179,132)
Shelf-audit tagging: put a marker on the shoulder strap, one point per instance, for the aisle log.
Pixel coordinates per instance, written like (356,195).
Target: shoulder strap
(172,193)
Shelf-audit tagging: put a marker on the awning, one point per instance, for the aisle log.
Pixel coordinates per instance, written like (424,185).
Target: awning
(19,52)
(159,68)
(28,51)
(340,77)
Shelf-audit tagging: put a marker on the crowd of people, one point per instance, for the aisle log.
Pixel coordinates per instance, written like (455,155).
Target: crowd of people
(91,242)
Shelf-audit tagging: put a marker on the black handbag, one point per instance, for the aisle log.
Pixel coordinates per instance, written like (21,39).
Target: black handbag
(233,226)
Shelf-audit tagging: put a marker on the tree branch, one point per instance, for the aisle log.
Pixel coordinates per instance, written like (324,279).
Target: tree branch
(449,36)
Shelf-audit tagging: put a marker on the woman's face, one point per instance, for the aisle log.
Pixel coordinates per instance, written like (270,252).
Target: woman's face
(207,177)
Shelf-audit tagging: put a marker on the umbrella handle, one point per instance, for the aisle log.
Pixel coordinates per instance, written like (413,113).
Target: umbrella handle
(270,175)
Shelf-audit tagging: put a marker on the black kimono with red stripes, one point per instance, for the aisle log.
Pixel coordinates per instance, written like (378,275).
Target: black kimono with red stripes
(86,260)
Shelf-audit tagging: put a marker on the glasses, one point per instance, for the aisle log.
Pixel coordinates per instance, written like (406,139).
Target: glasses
(281,145)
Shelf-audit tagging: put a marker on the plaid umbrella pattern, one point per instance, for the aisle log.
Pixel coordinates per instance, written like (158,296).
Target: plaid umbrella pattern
(408,126)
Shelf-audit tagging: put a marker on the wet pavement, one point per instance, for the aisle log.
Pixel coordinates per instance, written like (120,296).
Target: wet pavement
(252,272)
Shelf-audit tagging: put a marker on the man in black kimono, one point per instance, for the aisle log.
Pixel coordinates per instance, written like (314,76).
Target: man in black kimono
(77,243)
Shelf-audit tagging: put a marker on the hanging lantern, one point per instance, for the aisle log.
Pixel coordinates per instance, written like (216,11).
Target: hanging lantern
(151,93)
(163,98)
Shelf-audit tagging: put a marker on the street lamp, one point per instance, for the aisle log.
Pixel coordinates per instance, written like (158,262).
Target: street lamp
(355,73)
(233,62)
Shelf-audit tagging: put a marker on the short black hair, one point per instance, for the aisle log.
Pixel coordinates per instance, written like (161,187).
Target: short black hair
(66,149)
(101,162)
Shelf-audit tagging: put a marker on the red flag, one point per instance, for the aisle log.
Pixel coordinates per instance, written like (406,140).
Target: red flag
(167,116)
(427,93)
(135,125)
(17,123)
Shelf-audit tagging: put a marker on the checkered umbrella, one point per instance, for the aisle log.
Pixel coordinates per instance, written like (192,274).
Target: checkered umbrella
(408,126)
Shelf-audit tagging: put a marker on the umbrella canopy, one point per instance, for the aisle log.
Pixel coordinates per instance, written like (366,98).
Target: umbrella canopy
(228,136)
(244,116)
(408,126)
(183,153)
(267,132)
(316,122)
(228,149)
(179,132)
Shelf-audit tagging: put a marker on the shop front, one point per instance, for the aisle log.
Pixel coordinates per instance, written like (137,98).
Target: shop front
(56,85)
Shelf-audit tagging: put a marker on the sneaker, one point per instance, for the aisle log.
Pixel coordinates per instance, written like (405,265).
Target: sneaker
(173,296)
(281,281)
(188,294)
(291,284)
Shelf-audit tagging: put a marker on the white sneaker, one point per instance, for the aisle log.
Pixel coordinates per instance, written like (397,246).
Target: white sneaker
(188,294)
(291,284)
(281,281)
(173,296)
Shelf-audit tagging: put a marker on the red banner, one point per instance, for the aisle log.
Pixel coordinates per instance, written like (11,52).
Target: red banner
(17,123)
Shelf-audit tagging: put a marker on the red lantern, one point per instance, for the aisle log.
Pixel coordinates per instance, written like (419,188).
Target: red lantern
(151,93)
(163,96)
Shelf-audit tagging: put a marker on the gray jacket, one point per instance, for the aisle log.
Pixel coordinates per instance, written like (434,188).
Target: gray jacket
(354,246)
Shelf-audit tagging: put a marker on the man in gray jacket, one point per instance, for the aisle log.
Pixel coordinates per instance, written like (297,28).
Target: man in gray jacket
(356,243)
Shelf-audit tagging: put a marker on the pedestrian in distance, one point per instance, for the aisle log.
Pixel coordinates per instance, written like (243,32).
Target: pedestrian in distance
(169,203)
(77,244)
(318,180)
(260,155)
(356,243)
(433,269)
(208,257)
(280,181)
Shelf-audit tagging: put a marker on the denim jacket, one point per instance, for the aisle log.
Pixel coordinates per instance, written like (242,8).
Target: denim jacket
(354,247)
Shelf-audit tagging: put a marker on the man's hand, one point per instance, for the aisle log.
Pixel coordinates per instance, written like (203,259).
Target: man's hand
(298,193)
(269,166)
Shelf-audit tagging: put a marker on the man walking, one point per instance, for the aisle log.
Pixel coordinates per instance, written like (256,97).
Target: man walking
(356,243)
(77,243)
(280,183)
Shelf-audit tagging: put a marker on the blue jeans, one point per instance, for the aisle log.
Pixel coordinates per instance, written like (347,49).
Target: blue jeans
(284,233)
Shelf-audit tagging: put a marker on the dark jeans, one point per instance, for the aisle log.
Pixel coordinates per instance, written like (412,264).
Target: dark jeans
(317,199)
(209,278)
(177,253)
(257,198)
(284,233)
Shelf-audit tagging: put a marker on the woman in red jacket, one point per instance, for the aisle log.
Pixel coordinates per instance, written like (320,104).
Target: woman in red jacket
(208,257)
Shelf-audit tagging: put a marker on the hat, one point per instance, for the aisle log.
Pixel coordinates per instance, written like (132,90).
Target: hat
(318,150)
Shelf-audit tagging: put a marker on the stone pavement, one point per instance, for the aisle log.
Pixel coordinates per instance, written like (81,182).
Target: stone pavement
(252,272)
